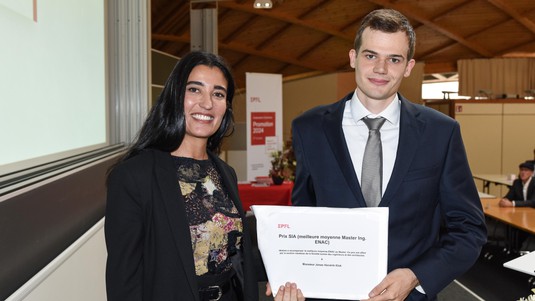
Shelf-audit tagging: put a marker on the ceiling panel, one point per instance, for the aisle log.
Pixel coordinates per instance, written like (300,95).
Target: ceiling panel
(300,38)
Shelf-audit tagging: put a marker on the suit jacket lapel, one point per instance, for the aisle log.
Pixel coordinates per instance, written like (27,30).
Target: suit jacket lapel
(176,214)
(332,126)
(410,129)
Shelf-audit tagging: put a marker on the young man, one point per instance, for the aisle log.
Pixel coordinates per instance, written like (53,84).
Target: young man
(436,224)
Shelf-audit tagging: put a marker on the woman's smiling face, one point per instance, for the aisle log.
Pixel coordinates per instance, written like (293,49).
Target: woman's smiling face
(205,102)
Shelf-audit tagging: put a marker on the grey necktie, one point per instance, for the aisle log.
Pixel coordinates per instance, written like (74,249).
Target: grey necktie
(372,164)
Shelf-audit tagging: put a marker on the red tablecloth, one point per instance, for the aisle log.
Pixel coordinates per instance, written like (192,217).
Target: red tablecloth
(265,195)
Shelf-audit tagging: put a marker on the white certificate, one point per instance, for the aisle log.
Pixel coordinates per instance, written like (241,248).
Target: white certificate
(333,253)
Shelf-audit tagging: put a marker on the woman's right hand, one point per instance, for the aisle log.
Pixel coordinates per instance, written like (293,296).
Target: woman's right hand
(288,292)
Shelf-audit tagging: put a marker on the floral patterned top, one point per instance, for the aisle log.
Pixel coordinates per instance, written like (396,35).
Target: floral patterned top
(215,224)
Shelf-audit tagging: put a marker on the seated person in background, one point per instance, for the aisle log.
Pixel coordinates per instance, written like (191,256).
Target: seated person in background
(522,192)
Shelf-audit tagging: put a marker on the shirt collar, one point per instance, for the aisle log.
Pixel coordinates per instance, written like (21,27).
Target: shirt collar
(391,113)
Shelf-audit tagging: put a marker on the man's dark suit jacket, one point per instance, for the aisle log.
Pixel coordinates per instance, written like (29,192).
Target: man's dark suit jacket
(147,232)
(436,224)
(515,194)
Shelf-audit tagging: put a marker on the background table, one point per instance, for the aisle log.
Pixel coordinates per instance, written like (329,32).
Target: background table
(506,240)
(519,217)
(265,195)
(497,179)
(483,195)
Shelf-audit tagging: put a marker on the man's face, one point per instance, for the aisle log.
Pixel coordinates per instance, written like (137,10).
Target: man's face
(380,64)
(525,173)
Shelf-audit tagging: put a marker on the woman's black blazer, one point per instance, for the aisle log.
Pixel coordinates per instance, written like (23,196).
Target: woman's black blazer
(147,233)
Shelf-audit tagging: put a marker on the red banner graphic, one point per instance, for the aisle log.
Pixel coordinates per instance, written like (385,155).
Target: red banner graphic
(262,126)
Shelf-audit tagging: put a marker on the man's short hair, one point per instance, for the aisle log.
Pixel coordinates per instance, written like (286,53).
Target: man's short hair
(389,21)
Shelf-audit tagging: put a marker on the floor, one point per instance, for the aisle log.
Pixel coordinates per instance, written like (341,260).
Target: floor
(492,282)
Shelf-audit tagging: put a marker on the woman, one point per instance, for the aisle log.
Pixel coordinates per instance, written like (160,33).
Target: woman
(174,227)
